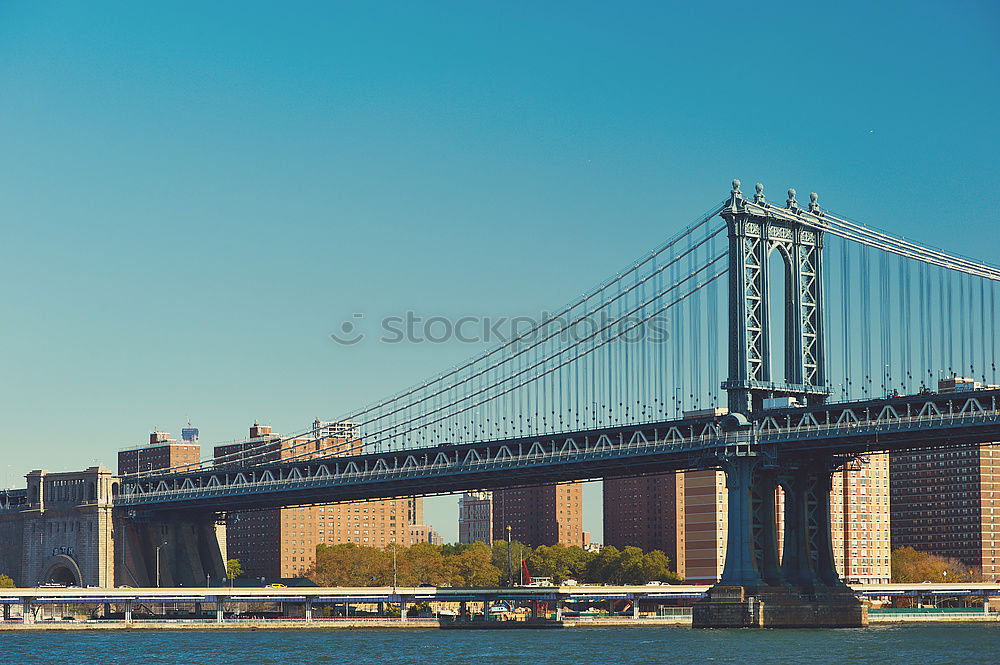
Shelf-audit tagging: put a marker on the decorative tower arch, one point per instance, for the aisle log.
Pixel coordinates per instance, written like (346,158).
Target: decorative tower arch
(756,229)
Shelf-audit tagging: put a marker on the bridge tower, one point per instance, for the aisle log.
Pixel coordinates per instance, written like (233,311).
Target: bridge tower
(760,233)
(803,588)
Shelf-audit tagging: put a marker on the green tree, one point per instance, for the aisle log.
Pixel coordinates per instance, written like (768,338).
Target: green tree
(559,562)
(234,569)
(6,582)
(498,558)
(472,567)
(425,564)
(349,564)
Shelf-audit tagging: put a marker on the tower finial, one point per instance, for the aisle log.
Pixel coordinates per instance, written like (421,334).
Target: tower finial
(736,188)
(758,197)
(814,203)
(791,203)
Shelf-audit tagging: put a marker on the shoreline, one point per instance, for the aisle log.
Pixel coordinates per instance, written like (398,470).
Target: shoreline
(387,624)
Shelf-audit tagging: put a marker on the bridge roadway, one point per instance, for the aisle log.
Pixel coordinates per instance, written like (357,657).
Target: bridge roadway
(319,595)
(930,420)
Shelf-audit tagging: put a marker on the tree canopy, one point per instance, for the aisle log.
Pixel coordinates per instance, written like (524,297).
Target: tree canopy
(480,565)
(233,568)
(6,582)
(910,565)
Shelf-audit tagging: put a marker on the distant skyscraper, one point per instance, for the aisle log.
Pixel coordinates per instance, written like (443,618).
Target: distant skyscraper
(189,433)
(475,517)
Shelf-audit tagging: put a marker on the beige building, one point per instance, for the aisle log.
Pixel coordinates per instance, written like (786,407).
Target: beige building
(475,517)
(703,515)
(859,516)
(60,530)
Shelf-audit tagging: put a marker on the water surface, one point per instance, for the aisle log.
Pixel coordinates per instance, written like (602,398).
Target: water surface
(924,644)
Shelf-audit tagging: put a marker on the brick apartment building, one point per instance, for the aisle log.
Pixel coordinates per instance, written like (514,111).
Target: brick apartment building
(947,502)
(161,452)
(541,515)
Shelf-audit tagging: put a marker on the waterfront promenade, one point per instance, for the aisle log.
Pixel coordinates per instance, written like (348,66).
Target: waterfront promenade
(407,608)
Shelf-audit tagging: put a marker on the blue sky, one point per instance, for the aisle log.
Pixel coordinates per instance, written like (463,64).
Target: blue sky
(194,195)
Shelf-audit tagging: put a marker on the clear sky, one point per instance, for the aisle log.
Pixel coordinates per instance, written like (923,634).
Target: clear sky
(194,195)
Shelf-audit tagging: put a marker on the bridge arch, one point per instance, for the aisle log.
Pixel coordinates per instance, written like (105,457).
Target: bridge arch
(62,569)
(781,312)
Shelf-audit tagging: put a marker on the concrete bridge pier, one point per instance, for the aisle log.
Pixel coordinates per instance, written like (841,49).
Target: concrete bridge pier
(170,550)
(804,589)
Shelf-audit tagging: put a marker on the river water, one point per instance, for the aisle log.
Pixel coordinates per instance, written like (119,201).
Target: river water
(923,644)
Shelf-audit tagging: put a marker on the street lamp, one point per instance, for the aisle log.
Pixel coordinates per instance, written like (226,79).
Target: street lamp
(163,544)
(510,571)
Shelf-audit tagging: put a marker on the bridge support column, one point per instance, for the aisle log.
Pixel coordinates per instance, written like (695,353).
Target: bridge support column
(796,562)
(308,610)
(27,614)
(128,611)
(740,568)
(220,611)
(402,609)
(821,481)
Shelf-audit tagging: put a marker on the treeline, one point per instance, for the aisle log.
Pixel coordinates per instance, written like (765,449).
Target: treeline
(482,565)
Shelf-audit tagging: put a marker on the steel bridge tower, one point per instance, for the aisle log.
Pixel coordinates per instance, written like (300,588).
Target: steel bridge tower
(760,233)
(757,587)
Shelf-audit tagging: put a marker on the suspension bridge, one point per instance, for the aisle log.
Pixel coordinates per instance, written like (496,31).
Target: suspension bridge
(776,342)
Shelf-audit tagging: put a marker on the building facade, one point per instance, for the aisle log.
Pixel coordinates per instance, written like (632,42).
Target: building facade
(60,529)
(475,517)
(860,517)
(947,502)
(541,515)
(646,512)
(281,542)
(161,452)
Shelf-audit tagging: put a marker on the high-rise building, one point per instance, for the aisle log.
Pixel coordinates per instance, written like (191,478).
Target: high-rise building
(475,517)
(704,522)
(860,517)
(281,542)
(646,512)
(947,502)
(161,452)
(540,515)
